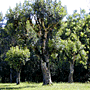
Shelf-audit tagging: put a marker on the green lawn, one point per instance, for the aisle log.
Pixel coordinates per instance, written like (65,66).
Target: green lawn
(38,86)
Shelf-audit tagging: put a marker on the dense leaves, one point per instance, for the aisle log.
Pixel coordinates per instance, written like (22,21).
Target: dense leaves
(17,56)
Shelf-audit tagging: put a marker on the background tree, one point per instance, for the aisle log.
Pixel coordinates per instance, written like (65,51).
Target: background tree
(17,57)
(67,42)
(4,38)
(83,30)
(84,33)
(19,30)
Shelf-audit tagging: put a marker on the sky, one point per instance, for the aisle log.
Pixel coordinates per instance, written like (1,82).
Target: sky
(70,4)
(76,5)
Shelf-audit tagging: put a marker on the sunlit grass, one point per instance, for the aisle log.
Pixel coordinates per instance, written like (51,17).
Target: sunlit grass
(39,86)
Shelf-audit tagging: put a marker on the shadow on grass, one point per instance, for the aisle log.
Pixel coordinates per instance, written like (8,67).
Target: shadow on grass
(7,88)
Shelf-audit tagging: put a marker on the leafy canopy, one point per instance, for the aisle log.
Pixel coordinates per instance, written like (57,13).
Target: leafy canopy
(67,40)
(17,56)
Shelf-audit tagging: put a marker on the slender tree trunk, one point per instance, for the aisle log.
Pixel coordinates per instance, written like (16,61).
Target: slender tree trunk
(70,78)
(18,78)
(10,75)
(46,73)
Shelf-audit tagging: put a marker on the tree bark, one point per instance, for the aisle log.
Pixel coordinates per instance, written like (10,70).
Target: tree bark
(18,78)
(46,73)
(10,75)
(70,78)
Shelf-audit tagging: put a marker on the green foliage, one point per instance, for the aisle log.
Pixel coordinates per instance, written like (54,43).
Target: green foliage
(68,40)
(17,56)
(31,34)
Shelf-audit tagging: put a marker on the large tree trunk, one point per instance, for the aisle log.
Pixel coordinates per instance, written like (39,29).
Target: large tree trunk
(70,78)
(46,73)
(18,78)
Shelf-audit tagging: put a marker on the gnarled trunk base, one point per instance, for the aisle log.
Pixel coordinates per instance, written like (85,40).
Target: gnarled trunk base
(46,74)
(70,78)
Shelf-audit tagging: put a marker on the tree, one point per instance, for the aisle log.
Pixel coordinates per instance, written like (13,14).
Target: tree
(16,57)
(47,15)
(16,24)
(16,27)
(4,45)
(69,44)
(85,38)
(82,29)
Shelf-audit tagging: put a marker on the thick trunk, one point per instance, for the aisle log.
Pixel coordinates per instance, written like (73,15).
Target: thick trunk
(70,78)
(46,73)
(18,78)
(10,75)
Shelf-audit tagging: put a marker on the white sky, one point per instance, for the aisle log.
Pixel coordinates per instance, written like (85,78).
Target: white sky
(76,5)
(71,5)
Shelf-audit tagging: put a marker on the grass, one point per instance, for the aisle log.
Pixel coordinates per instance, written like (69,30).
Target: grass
(38,86)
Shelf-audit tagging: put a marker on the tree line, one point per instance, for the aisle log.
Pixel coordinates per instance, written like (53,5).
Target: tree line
(36,40)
